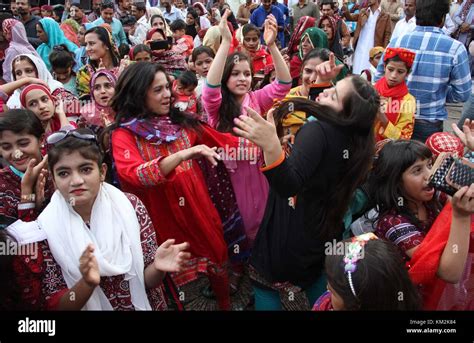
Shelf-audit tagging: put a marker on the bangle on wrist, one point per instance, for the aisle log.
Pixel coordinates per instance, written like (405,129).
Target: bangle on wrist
(28,197)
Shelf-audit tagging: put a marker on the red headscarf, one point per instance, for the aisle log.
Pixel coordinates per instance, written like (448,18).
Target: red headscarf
(303,24)
(31,87)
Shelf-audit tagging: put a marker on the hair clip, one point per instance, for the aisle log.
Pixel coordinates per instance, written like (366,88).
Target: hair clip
(354,254)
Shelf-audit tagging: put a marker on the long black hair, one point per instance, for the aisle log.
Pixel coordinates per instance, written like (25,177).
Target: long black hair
(230,107)
(357,117)
(131,92)
(381,281)
(104,37)
(385,183)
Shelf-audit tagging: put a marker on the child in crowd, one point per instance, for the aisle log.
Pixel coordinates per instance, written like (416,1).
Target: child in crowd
(140,53)
(182,40)
(375,55)
(184,92)
(62,64)
(396,117)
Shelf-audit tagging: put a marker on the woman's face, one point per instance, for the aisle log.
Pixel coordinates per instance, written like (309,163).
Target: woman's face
(103,90)
(190,20)
(326,27)
(306,45)
(198,10)
(251,40)
(142,56)
(40,104)
(415,181)
(309,74)
(158,97)
(202,64)
(19,148)
(240,78)
(41,33)
(78,179)
(95,48)
(334,97)
(23,69)
(159,23)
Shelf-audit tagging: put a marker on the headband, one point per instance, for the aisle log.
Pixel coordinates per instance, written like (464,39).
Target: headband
(31,87)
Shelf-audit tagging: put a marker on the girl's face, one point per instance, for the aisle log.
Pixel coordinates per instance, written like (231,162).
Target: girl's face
(306,45)
(81,36)
(190,20)
(142,56)
(309,74)
(336,300)
(63,74)
(251,40)
(40,104)
(326,27)
(159,23)
(415,181)
(78,179)
(202,64)
(395,73)
(23,69)
(334,97)
(41,34)
(95,48)
(19,148)
(158,98)
(103,91)
(240,78)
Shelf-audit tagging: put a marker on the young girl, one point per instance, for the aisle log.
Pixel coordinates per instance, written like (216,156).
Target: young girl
(250,44)
(38,99)
(184,92)
(99,114)
(368,276)
(154,148)
(140,53)
(202,58)
(407,208)
(226,96)
(62,64)
(25,189)
(397,115)
(101,251)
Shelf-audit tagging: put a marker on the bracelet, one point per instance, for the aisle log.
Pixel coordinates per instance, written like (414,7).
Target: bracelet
(28,197)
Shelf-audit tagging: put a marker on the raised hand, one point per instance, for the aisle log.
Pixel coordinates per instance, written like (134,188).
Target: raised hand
(462,201)
(256,129)
(39,188)
(467,134)
(328,70)
(89,267)
(224,28)
(32,172)
(171,257)
(270,30)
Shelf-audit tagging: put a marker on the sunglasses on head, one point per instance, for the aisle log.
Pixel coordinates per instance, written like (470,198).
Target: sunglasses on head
(63,134)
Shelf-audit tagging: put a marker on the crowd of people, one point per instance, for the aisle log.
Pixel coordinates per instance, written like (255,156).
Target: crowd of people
(149,144)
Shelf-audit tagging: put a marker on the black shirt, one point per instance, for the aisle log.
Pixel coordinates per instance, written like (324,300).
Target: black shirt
(287,247)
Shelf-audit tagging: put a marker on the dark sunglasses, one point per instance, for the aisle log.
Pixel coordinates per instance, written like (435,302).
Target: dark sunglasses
(60,135)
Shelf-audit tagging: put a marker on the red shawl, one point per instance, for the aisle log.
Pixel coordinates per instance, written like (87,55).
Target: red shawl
(395,95)
(425,261)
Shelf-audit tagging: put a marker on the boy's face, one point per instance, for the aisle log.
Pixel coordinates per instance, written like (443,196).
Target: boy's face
(178,34)
(395,73)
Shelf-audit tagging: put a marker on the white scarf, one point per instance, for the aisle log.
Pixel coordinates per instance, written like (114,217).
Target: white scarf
(115,233)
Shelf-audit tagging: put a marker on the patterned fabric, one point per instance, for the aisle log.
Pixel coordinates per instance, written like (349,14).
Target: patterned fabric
(158,129)
(445,142)
(440,73)
(323,303)
(405,55)
(400,231)
(116,288)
